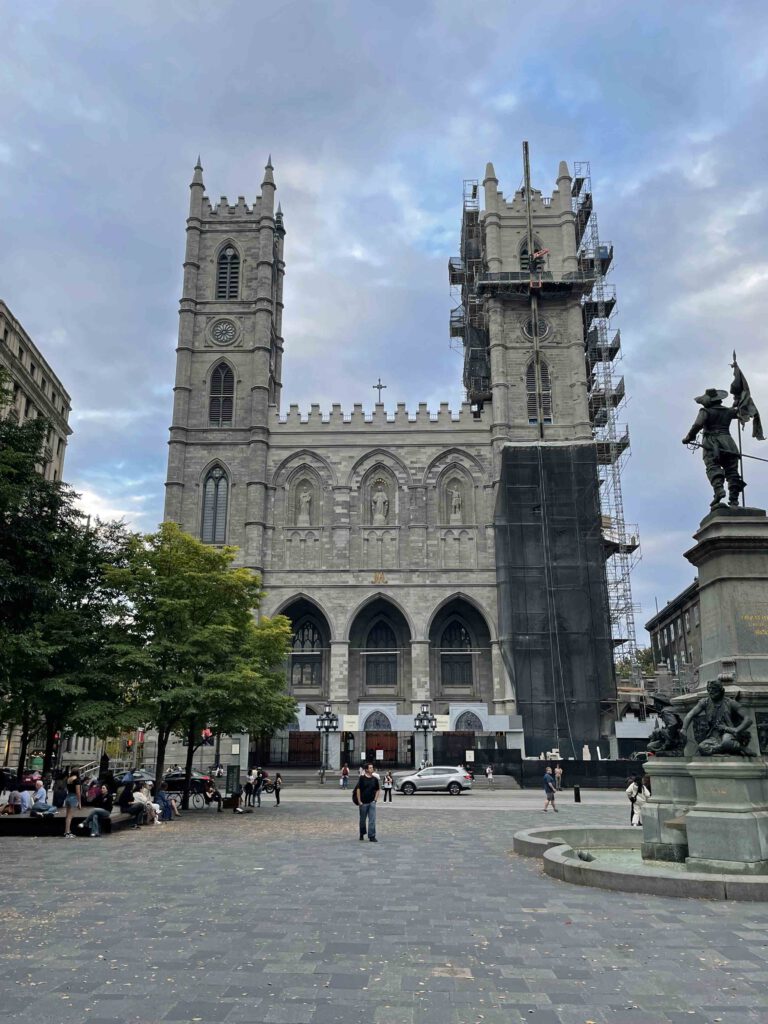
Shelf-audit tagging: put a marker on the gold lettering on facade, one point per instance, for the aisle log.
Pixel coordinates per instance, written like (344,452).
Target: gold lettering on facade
(379,577)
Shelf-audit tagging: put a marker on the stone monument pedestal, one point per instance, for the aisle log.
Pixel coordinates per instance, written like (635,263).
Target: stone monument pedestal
(673,794)
(727,829)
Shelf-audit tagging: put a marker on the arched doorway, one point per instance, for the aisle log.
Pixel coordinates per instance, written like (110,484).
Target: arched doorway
(379,652)
(308,666)
(380,740)
(460,653)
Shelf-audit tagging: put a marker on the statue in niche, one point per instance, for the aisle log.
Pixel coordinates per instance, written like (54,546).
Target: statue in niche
(379,505)
(720,723)
(455,503)
(304,510)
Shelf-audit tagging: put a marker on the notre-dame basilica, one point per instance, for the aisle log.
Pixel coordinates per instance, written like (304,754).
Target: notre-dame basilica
(452,558)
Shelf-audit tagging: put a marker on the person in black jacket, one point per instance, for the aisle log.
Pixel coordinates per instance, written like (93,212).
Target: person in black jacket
(130,806)
(366,795)
(102,805)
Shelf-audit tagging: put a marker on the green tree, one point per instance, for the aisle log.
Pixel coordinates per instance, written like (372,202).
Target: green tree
(187,642)
(54,604)
(644,661)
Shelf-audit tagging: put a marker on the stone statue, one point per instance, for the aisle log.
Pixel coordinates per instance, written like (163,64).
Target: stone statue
(721,455)
(723,729)
(379,506)
(454,498)
(668,738)
(304,515)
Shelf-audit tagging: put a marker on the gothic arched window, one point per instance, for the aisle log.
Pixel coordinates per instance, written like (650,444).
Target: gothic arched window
(468,722)
(215,498)
(221,396)
(377,721)
(307,656)
(525,257)
(546,392)
(381,655)
(456,655)
(228,273)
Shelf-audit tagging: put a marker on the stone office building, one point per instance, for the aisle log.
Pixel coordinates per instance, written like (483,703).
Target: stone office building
(376,533)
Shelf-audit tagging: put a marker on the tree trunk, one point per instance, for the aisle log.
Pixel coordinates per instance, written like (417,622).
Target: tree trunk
(9,739)
(50,731)
(188,765)
(24,743)
(163,735)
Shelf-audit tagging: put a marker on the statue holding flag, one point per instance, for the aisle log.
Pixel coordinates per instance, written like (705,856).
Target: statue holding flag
(722,457)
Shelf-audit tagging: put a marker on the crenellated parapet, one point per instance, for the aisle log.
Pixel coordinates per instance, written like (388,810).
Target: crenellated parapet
(359,418)
(223,209)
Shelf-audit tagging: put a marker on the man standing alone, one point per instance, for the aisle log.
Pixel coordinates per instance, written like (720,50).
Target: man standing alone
(366,795)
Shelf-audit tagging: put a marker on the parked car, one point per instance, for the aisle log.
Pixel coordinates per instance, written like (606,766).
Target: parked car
(438,779)
(175,781)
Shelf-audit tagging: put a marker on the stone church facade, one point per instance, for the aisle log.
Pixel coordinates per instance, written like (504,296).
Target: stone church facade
(374,533)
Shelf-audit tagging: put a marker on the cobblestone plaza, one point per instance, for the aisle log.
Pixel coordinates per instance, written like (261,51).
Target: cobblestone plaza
(282,917)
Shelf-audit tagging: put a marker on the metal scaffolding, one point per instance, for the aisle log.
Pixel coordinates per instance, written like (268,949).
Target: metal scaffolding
(606,401)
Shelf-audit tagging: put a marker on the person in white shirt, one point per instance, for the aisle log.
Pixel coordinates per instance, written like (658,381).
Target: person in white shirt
(40,803)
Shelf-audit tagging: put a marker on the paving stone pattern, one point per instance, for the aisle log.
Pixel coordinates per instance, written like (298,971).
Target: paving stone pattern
(283,917)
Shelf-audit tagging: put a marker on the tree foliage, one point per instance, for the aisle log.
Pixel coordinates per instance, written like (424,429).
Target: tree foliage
(187,645)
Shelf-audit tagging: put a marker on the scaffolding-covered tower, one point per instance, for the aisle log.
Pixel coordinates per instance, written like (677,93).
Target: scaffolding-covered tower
(607,397)
(534,322)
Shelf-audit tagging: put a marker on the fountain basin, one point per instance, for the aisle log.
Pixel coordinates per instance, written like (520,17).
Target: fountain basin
(618,865)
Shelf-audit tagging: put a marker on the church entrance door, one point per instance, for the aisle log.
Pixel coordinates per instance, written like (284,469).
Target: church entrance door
(304,749)
(384,741)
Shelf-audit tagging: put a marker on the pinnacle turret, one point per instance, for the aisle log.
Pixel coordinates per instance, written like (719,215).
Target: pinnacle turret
(197,177)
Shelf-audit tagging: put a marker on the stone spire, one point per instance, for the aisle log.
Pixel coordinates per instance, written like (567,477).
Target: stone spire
(197,177)
(563,172)
(490,174)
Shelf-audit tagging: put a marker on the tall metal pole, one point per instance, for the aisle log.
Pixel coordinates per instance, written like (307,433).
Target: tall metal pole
(534,300)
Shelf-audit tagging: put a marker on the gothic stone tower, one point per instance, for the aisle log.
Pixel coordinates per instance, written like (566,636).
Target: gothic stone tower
(522,322)
(231,306)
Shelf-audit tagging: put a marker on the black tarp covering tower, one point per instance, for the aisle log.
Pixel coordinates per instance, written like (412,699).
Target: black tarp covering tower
(554,620)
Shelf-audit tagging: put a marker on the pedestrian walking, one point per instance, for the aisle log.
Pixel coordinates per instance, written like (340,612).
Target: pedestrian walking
(345,776)
(549,790)
(638,793)
(72,801)
(278,787)
(258,785)
(489,776)
(248,791)
(366,795)
(558,778)
(387,785)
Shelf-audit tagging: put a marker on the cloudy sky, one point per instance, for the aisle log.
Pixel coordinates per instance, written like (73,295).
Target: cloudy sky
(374,113)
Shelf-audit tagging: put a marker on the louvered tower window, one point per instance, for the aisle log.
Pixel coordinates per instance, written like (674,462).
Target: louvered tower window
(546,393)
(221,396)
(381,656)
(215,497)
(228,274)
(456,656)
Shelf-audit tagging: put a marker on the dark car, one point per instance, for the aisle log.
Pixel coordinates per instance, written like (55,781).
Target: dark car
(175,781)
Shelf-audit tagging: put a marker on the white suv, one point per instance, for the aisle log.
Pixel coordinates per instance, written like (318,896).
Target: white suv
(440,778)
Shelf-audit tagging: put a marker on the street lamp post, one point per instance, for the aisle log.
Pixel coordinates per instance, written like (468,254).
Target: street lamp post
(427,722)
(327,722)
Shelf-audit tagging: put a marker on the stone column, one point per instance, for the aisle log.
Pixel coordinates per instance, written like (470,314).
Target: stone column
(503,695)
(338,692)
(420,681)
(334,751)
(673,795)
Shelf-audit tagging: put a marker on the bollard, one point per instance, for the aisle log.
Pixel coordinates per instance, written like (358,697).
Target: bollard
(577,794)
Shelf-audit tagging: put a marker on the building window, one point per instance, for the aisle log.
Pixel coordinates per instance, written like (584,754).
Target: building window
(456,656)
(221,397)
(687,622)
(307,656)
(695,615)
(215,497)
(228,273)
(468,721)
(381,656)
(546,392)
(32,370)
(28,408)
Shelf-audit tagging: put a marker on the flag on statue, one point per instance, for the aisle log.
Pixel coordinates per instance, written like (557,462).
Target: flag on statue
(743,401)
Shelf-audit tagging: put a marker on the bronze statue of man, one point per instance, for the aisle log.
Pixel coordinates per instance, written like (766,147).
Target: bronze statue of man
(721,456)
(725,723)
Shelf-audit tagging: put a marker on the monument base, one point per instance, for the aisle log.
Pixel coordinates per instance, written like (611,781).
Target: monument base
(673,794)
(727,829)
